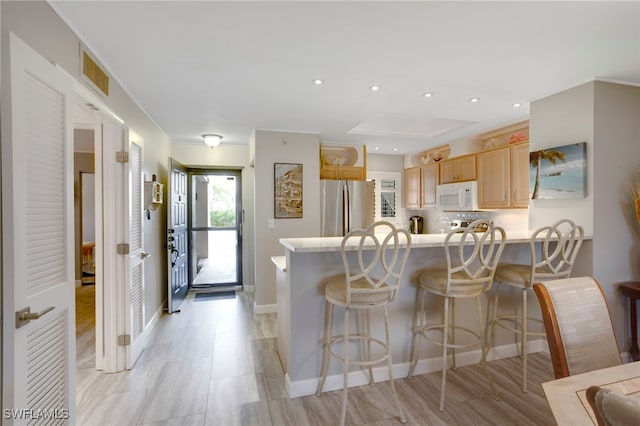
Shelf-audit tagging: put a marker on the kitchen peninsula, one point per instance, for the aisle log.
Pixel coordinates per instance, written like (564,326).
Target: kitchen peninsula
(310,261)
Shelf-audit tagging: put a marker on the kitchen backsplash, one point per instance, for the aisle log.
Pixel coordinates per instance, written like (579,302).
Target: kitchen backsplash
(437,222)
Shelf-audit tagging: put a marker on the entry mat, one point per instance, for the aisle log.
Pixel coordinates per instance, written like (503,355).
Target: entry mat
(218,295)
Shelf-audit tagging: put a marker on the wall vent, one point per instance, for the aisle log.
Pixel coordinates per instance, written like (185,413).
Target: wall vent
(92,71)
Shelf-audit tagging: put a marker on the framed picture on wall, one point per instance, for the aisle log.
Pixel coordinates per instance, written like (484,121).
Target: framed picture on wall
(287,178)
(558,173)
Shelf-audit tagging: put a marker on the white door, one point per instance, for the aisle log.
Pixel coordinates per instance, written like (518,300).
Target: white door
(38,250)
(134,265)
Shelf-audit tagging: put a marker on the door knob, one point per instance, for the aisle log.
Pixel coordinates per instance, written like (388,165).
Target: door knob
(24,316)
(144,255)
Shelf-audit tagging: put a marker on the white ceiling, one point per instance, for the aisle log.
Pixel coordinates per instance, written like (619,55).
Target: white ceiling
(231,67)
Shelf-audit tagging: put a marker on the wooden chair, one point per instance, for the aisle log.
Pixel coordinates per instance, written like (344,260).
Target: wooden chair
(578,325)
(554,259)
(371,281)
(471,263)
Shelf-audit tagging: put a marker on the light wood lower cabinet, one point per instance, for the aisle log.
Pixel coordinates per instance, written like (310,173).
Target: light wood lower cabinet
(420,186)
(503,177)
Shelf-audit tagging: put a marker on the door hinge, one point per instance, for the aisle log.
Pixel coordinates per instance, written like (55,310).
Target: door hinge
(124,340)
(123,248)
(122,157)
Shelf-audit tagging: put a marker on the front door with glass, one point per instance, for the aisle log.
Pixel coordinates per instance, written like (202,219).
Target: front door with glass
(215,229)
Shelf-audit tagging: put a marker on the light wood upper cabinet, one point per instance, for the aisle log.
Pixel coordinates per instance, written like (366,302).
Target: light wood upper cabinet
(458,169)
(494,171)
(429,181)
(343,162)
(503,177)
(412,188)
(420,186)
(520,175)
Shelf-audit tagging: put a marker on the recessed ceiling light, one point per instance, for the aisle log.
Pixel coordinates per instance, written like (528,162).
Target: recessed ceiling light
(395,149)
(517,105)
(374,88)
(317,82)
(376,148)
(427,95)
(474,100)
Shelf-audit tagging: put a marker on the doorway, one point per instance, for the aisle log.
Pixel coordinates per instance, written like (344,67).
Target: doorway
(215,229)
(85,247)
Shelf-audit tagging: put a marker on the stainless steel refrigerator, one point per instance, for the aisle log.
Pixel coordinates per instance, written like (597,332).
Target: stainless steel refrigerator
(346,205)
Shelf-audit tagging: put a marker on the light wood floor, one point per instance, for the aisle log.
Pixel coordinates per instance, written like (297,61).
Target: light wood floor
(216,363)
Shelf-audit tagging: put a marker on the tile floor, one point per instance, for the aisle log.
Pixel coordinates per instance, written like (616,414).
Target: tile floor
(216,363)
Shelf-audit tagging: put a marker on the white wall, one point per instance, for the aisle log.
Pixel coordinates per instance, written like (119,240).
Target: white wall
(562,119)
(40,27)
(282,147)
(604,115)
(232,157)
(385,163)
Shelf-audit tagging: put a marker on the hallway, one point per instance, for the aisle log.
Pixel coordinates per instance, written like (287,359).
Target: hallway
(216,363)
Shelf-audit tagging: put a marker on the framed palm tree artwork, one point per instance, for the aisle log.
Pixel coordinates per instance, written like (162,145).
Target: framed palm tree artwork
(558,173)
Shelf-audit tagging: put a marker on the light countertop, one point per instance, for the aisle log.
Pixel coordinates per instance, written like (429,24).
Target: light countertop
(331,244)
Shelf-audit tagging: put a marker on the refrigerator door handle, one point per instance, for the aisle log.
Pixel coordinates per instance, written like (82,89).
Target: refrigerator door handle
(346,210)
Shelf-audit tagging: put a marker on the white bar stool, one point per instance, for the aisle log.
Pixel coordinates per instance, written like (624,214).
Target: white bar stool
(371,282)
(471,263)
(559,248)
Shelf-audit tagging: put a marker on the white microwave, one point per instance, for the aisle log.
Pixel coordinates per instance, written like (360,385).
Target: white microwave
(459,196)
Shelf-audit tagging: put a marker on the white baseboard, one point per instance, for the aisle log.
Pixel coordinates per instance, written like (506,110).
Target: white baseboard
(264,309)
(154,320)
(424,366)
(152,323)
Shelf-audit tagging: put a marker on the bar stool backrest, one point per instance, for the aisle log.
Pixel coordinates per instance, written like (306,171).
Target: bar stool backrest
(381,254)
(558,250)
(473,258)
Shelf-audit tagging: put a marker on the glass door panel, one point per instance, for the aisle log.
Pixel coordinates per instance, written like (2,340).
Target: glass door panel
(215,230)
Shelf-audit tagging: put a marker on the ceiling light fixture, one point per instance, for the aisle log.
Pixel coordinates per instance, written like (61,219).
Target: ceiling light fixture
(374,88)
(317,82)
(517,105)
(211,140)
(427,95)
(395,149)
(474,100)
(376,148)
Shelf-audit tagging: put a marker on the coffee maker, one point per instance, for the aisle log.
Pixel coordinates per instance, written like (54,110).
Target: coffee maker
(415,224)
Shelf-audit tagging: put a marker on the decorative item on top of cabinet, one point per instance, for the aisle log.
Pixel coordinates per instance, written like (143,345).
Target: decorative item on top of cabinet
(343,162)
(420,186)
(458,169)
(515,133)
(431,156)
(503,177)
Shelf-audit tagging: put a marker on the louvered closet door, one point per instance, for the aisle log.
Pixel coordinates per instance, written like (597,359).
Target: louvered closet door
(37,220)
(135,294)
